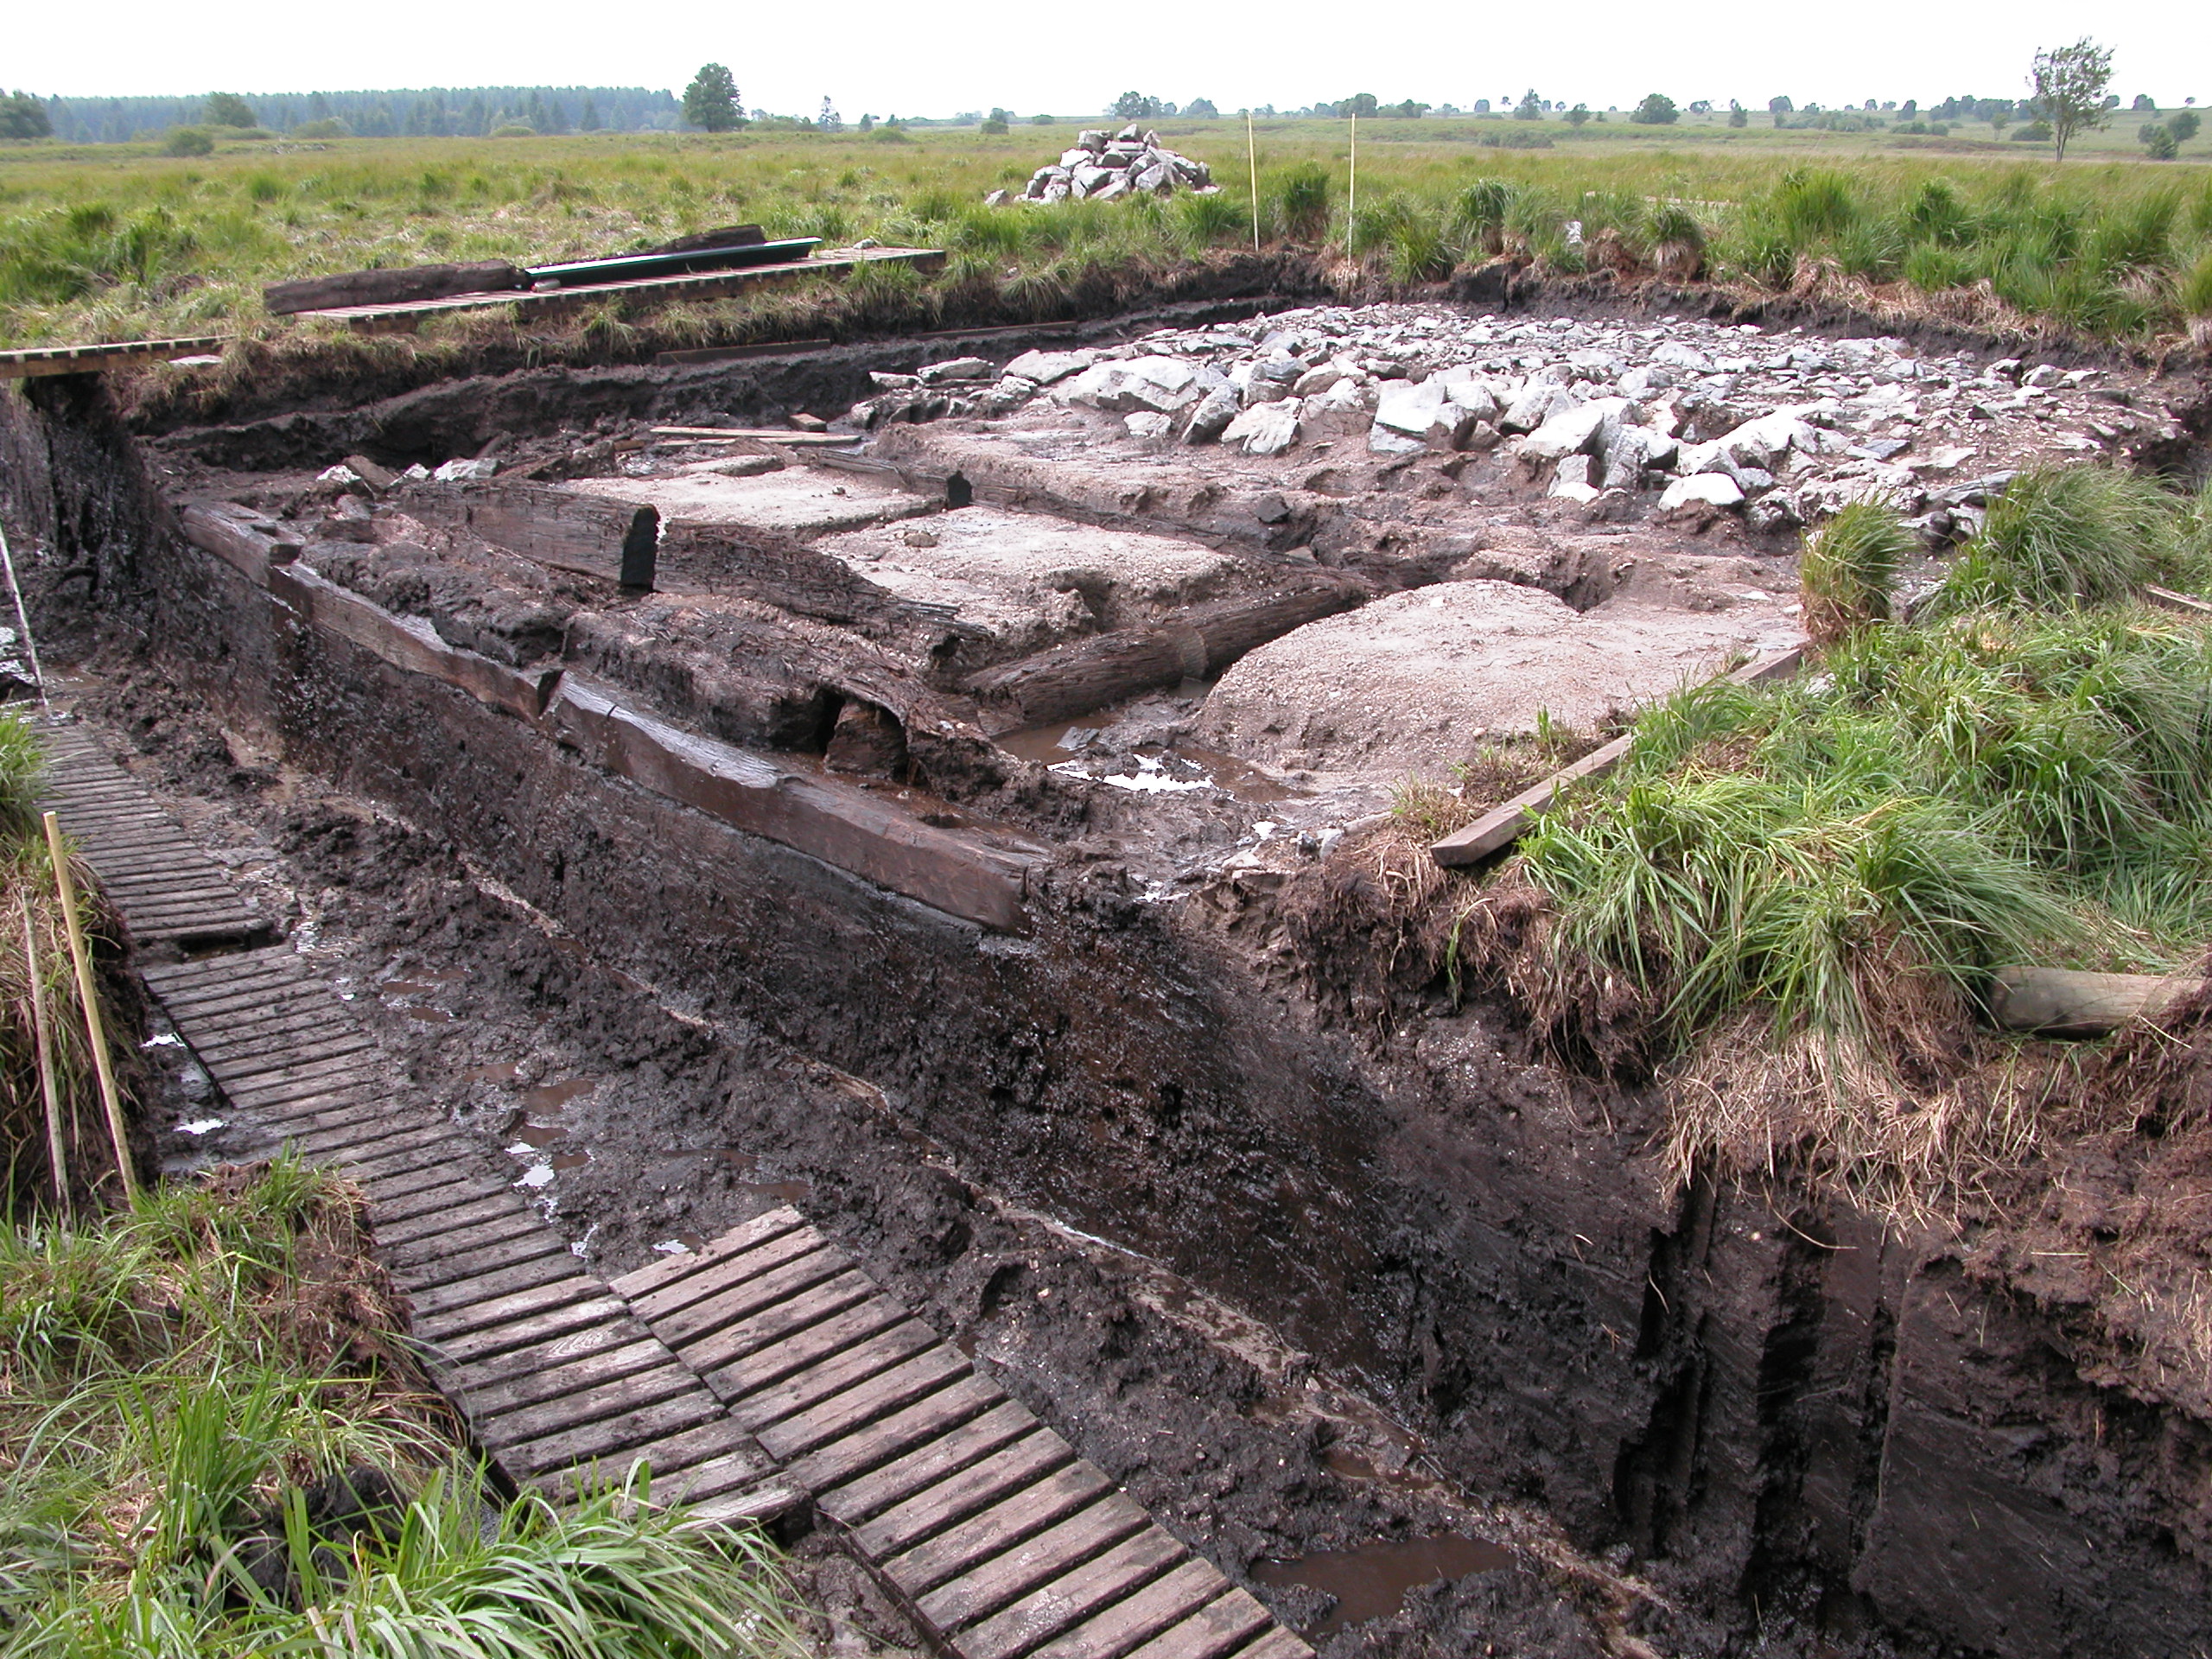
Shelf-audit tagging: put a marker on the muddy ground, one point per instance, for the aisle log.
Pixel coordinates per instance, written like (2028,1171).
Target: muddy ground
(1764,1419)
(638,1127)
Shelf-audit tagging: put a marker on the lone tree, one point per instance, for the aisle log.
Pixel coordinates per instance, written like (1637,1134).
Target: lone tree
(1577,115)
(1779,107)
(2070,83)
(227,109)
(710,101)
(1657,110)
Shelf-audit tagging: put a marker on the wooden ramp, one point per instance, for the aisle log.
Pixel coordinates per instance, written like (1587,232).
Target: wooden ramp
(999,1539)
(165,886)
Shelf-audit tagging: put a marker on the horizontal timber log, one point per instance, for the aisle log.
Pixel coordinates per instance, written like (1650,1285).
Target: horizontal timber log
(393,287)
(2060,1002)
(1075,679)
(565,529)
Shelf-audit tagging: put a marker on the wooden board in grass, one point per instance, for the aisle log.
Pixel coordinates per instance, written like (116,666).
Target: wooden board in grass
(1503,825)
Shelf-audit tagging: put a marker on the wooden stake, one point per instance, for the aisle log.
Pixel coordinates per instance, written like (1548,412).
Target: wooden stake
(1351,208)
(90,997)
(54,1148)
(23,622)
(1252,159)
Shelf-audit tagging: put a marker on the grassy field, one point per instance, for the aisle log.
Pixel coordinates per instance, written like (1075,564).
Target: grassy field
(114,242)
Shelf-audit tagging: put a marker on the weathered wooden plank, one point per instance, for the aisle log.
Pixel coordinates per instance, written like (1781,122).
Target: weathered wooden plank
(656,1275)
(1504,825)
(1219,1629)
(486,1288)
(938,1456)
(90,360)
(1139,1617)
(565,1339)
(1277,1644)
(728,1272)
(826,1465)
(934,1368)
(471,1331)
(656,1383)
(726,1307)
(1012,1468)
(851,1369)
(992,1585)
(2061,1002)
(1043,1504)
(519,1233)
(456,1210)
(612,1442)
(520,1388)
(798,1351)
(400,285)
(709,1355)
(1056,1607)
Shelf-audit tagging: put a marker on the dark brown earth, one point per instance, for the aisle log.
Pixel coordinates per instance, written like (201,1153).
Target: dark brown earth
(1377,1270)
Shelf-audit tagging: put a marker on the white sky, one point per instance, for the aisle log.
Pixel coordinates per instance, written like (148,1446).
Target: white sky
(919,59)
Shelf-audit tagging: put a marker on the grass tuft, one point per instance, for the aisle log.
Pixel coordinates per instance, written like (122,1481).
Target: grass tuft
(1849,566)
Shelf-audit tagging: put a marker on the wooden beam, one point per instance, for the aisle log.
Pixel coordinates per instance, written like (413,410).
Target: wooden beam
(757,434)
(568,529)
(393,287)
(2061,1002)
(1504,825)
(1073,679)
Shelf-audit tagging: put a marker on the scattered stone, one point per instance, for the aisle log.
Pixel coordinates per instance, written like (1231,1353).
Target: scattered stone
(1147,425)
(1701,495)
(1212,417)
(1047,368)
(960,368)
(1266,429)
(463,472)
(1166,386)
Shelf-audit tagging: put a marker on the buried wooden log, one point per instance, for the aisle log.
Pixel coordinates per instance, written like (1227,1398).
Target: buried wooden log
(392,287)
(2061,1002)
(1075,679)
(248,541)
(1506,824)
(565,529)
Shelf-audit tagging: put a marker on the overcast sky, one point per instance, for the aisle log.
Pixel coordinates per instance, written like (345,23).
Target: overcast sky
(883,56)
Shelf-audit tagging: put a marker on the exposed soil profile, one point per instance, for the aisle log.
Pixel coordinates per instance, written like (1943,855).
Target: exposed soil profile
(1202,1161)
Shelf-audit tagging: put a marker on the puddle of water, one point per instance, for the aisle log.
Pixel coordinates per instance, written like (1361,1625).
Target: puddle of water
(539,1135)
(492,1073)
(1370,1581)
(428,1016)
(1240,778)
(1046,744)
(550,1097)
(570,1160)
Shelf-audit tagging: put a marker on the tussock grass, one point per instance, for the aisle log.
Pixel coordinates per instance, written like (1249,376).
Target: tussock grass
(176,1381)
(1785,902)
(1848,567)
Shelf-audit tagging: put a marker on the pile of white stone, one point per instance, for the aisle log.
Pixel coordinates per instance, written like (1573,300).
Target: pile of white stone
(1100,168)
(1711,417)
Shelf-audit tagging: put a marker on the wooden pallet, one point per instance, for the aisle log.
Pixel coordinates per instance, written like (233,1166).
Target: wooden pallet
(1001,1542)
(165,886)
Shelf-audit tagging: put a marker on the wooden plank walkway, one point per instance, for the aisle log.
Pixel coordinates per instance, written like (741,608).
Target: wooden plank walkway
(1000,1541)
(765,1377)
(90,359)
(165,886)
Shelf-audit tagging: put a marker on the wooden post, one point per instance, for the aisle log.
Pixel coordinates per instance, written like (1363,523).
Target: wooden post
(23,622)
(1351,201)
(89,996)
(1252,160)
(55,1156)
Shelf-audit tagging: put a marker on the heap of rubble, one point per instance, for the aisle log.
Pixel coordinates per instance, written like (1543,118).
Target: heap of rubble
(1680,417)
(1100,168)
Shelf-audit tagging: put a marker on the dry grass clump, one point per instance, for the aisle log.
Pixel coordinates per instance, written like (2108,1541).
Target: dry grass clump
(1785,902)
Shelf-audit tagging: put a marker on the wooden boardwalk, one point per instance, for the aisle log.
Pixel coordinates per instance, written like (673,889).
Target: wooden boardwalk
(764,1378)
(1000,1541)
(165,886)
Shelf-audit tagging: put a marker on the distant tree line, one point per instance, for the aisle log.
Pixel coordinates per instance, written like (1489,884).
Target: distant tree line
(431,112)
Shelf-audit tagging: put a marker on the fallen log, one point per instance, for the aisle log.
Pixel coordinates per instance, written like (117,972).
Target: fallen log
(565,529)
(251,542)
(1504,825)
(2061,1002)
(398,287)
(1073,679)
